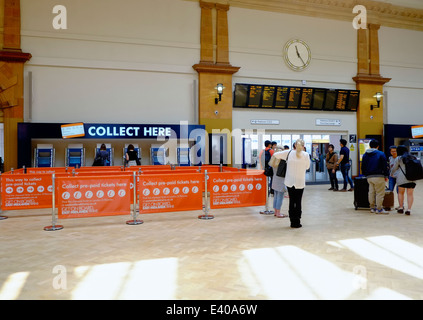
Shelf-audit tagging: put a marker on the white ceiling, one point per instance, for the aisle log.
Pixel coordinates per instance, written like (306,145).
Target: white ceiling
(416,4)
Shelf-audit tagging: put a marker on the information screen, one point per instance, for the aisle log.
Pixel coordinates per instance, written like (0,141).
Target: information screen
(417,132)
(268,96)
(330,100)
(306,98)
(294,98)
(241,95)
(281,97)
(73,130)
(289,97)
(318,98)
(341,101)
(254,99)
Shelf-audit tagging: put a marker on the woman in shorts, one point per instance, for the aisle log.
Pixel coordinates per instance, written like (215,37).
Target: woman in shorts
(403,183)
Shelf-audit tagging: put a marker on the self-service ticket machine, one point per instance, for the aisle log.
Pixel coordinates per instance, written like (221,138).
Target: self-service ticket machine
(75,155)
(109,149)
(247,153)
(44,155)
(183,157)
(136,148)
(158,155)
(416,148)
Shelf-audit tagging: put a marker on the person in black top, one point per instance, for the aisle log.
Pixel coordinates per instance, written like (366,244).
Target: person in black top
(344,162)
(102,157)
(131,156)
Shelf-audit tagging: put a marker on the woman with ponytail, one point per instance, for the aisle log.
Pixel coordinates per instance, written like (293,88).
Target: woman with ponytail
(298,163)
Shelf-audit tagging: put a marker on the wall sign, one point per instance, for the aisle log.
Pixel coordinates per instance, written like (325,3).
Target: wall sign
(267,122)
(328,122)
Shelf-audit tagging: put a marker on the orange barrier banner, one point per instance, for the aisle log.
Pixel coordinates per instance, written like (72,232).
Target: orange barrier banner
(80,197)
(176,192)
(233,189)
(26,191)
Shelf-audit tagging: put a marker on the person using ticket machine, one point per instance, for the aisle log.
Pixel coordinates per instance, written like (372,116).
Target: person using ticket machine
(131,156)
(102,156)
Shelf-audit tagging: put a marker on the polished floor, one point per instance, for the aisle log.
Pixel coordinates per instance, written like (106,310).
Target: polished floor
(339,253)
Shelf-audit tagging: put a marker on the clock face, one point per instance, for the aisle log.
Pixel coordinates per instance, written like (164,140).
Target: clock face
(297,54)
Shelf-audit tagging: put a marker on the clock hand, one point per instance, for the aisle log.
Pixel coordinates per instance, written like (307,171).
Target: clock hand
(299,56)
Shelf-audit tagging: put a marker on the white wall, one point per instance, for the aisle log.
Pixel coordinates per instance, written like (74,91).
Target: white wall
(118,61)
(401,59)
(257,39)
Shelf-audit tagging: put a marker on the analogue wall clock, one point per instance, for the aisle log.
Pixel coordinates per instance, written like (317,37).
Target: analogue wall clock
(297,54)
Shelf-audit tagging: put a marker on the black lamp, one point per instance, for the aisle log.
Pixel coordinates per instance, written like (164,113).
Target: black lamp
(378,97)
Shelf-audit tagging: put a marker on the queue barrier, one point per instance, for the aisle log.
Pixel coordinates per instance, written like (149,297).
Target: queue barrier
(73,192)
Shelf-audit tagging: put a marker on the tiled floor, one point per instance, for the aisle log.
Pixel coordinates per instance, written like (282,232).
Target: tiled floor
(340,253)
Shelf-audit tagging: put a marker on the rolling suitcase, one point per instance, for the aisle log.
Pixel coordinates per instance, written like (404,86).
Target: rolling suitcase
(361,195)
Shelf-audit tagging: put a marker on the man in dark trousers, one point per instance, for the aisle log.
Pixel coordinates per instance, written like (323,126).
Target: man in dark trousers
(375,167)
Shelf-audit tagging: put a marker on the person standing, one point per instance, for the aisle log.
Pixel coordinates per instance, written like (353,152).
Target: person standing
(102,157)
(298,163)
(344,163)
(131,156)
(331,165)
(402,182)
(375,167)
(278,187)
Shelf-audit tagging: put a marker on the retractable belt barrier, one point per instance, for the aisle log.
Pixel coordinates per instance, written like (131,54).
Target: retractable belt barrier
(108,191)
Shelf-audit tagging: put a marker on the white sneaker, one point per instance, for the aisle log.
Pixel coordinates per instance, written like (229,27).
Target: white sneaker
(382,211)
(373,210)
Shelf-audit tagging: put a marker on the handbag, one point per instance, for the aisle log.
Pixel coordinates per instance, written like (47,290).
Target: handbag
(97,162)
(281,171)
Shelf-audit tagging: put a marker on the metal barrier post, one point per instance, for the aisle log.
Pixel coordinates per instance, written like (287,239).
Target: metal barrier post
(267,211)
(206,216)
(53,226)
(1,201)
(134,220)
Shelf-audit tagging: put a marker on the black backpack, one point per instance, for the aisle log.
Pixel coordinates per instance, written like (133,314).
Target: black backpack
(268,170)
(413,168)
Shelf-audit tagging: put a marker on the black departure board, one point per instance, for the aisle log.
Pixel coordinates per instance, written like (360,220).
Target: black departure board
(318,98)
(254,99)
(306,98)
(268,97)
(294,97)
(289,97)
(341,100)
(281,97)
(241,95)
(353,100)
(330,100)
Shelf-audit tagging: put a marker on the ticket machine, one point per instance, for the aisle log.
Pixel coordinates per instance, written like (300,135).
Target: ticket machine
(158,155)
(75,156)
(183,157)
(44,155)
(136,148)
(416,148)
(109,149)
(247,153)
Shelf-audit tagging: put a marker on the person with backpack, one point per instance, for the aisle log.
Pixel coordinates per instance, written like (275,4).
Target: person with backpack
(403,182)
(375,167)
(264,158)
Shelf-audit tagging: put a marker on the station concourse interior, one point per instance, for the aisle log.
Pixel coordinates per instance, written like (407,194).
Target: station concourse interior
(219,74)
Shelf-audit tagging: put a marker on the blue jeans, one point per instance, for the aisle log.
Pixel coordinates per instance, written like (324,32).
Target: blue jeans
(392,182)
(277,199)
(347,179)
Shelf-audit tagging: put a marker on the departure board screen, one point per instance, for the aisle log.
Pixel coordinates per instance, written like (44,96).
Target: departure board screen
(330,100)
(268,97)
(254,99)
(318,98)
(281,97)
(289,97)
(353,100)
(306,98)
(241,95)
(294,97)
(341,100)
